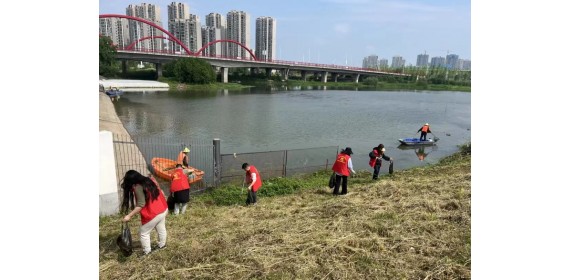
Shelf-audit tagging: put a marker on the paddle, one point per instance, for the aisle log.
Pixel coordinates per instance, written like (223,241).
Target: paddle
(435,138)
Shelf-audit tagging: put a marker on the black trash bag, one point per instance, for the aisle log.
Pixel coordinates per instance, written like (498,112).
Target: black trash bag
(170,202)
(391,168)
(332,180)
(125,241)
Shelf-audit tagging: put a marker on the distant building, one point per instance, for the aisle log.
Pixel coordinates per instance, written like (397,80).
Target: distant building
(265,38)
(211,34)
(117,29)
(178,11)
(217,21)
(139,30)
(188,31)
(398,62)
(370,61)
(422,60)
(437,61)
(383,63)
(465,65)
(238,30)
(452,61)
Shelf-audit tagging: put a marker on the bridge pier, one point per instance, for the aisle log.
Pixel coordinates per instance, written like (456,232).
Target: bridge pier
(325,74)
(224,72)
(304,75)
(158,67)
(335,77)
(268,72)
(124,66)
(285,73)
(252,71)
(356,78)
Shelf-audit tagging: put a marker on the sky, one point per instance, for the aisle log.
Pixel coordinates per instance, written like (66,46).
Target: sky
(343,32)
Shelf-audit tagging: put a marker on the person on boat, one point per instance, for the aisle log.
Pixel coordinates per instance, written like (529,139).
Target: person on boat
(183,158)
(376,157)
(253,181)
(424,130)
(420,152)
(143,195)
(179,190)
(341,167)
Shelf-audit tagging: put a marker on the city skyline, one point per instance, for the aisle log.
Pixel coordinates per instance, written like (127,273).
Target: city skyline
(356,28)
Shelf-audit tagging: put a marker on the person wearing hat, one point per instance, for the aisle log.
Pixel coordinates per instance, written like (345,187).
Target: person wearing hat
(341,167)
(183,158)
(425,130)
(376,157)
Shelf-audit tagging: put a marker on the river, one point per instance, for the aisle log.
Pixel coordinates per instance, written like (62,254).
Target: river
(258,119)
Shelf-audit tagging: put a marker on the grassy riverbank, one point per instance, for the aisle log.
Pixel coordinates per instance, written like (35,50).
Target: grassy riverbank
(413,224)
(215,86)
(379,86)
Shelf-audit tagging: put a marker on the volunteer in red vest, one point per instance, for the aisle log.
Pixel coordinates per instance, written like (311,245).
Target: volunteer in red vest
(376,157)
(342,168)
(180,190)
(425,130)
(253,181)
(145,196)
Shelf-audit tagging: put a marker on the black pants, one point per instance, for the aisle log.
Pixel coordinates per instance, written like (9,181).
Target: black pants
(423,136)
(251,197)
(376,170)
(344,184)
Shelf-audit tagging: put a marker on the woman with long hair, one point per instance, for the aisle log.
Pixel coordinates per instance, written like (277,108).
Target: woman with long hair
(143,194)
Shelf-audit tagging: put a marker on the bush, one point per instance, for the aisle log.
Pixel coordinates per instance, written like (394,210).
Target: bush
(193,71)
(370,81)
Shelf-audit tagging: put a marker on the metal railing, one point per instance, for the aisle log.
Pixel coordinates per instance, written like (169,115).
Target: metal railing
(284,163)
(137,153)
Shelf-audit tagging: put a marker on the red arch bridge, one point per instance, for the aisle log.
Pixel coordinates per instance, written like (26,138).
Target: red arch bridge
(159,57)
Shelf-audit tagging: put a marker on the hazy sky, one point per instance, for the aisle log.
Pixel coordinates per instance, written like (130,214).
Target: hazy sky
(345,31)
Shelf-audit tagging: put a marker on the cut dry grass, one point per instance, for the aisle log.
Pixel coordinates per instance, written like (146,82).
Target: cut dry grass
(414,224)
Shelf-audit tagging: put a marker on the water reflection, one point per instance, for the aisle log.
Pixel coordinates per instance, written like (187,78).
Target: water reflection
(421,151)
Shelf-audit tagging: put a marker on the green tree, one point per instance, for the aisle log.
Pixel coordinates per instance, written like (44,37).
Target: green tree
(194,71)
(108,65)
(370,81)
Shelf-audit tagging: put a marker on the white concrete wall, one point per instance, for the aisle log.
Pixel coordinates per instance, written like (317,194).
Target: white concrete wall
(108,195)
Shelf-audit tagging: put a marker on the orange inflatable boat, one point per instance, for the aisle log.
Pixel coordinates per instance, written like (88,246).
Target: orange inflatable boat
(163,167)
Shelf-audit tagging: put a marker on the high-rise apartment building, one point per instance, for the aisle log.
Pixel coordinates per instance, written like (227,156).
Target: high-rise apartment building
(211,34)
(185,27)
(265,38)
(398,61)
(437,61)
(178,11)
(383,63)
(466,64)
(238,30)
(139,30)
(370,61)
(215,21)
(117,29)
(452,61)
(422,60)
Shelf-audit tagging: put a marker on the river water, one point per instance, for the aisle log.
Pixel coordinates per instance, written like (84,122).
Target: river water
(259,119)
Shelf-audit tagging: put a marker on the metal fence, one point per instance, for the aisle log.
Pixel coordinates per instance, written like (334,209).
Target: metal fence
(137,153)
(284,163)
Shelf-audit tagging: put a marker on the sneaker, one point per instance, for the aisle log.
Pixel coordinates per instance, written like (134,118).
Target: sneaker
(155,247)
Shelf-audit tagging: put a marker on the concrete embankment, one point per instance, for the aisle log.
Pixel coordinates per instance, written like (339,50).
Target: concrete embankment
(133,85)
(109,121)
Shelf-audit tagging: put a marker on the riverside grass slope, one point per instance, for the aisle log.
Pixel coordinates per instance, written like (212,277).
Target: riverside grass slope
(413,224)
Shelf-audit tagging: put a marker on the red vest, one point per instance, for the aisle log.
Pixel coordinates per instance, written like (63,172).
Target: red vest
(372,161)
(153,208)
(179,181)
(257,183)
(425,128)
(341,164)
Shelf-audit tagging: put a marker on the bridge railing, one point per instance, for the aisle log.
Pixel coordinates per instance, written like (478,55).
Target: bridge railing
(272,61)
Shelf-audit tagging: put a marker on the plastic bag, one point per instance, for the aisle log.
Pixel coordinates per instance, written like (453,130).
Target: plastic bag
(170,202)
(125,241)
(332,180)
(391,168)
